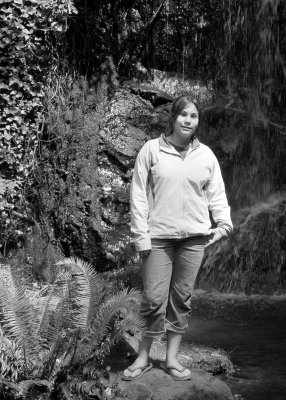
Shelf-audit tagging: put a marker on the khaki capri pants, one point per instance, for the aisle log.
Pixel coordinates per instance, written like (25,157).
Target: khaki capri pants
(169,273)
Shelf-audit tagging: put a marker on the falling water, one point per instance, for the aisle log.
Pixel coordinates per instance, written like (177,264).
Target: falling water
(248,133)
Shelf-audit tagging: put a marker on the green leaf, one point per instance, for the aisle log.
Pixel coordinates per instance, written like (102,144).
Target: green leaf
(7,10)
(3,86)
(12,111)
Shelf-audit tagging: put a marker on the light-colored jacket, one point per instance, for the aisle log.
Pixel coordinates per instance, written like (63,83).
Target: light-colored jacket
(171,196)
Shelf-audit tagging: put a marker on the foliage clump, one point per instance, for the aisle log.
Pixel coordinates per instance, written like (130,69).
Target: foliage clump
(28,29)
(66,328)
(66,189)
(181,37)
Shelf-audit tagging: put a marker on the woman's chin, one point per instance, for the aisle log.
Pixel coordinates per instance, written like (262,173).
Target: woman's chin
(186,134)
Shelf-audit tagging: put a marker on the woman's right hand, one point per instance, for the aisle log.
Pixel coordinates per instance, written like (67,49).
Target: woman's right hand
(144,253)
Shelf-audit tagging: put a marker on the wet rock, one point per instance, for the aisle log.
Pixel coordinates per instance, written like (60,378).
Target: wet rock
(253,259)
(122,138)
(131,109)
(157,385)
(214,361)
(150,92)
(84,179)
(125,128)
(175,85)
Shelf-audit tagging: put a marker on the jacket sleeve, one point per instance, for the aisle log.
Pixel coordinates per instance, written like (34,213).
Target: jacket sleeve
(139,200)
(218,203)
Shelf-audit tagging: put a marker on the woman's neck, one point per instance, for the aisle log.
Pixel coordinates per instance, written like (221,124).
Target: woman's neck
(178,141)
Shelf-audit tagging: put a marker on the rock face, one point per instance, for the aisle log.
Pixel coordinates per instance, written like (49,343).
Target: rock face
(129,121)
(253,259)
(83,182)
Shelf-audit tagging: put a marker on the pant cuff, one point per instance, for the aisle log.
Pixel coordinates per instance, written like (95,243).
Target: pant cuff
(152,334)
(173,328)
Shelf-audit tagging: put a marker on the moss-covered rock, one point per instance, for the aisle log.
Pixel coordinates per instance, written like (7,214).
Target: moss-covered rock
(253,259)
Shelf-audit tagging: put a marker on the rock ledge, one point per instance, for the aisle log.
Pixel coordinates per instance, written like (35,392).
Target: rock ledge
(156,384)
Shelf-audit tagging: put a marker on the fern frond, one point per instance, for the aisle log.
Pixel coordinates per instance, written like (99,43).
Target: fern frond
(123,302)
(48,364)
(52,316)
(88,290)
(45,307)
(17,317)
(58,323)
(125,299)
(132,323)
(11,358)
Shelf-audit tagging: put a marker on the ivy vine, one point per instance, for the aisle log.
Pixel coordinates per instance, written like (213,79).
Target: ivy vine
(27,28)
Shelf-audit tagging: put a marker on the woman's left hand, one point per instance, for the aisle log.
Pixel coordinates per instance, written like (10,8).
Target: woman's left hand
(214,236)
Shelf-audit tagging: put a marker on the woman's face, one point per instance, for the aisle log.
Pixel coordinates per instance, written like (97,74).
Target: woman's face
(186,123)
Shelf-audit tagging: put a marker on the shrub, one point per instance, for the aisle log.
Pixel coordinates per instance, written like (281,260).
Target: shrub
(77,319)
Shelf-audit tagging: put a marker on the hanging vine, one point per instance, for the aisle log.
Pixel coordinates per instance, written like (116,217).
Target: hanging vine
(27,27)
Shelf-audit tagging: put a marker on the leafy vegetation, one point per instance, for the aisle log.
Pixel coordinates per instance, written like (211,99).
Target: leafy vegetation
(70,322)
(182,37)
(28,29)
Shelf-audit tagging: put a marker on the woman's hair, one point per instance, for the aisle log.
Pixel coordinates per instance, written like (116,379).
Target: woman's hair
(178,105)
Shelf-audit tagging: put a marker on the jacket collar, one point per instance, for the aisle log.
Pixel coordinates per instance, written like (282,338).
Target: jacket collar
(166,146)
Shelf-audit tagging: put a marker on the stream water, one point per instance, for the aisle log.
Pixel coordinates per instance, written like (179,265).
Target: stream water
(253,331)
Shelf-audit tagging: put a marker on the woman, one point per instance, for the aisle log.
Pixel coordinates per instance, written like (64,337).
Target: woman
(176,183)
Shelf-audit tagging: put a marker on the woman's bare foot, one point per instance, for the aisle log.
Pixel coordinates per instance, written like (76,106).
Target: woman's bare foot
(176,369)
(141,364)
(136,369)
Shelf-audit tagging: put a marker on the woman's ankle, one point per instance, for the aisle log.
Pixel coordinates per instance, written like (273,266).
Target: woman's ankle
(171,361)
(141,361)
(144,347)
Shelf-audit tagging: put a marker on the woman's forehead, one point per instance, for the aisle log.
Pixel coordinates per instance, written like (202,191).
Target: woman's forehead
(191,108)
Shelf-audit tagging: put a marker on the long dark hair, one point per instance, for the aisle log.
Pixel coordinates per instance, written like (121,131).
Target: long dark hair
(178,105)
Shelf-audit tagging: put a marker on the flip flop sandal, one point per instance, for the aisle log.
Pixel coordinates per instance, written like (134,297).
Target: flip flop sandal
(176,378)
(132,378)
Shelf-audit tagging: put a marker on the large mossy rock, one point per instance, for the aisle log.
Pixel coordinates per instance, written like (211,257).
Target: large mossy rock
(82,184)
(129,121)
(214,361)
(253,259)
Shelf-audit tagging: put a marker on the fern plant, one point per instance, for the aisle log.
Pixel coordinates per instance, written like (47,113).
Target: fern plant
(79,319)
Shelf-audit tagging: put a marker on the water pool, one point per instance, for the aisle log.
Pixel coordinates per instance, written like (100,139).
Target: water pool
(253,331)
